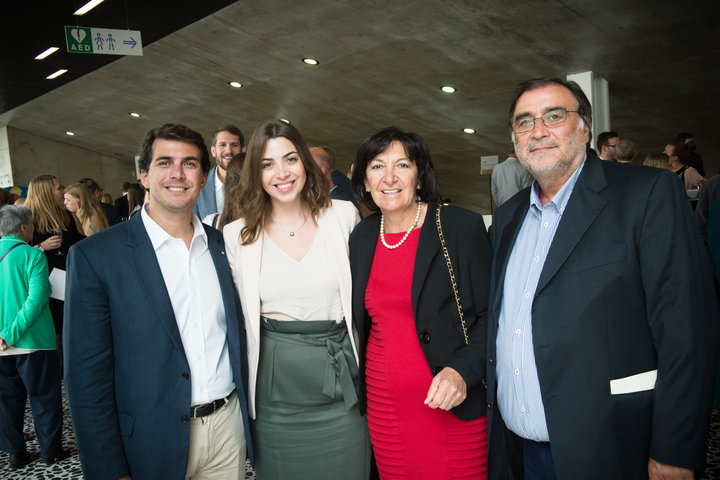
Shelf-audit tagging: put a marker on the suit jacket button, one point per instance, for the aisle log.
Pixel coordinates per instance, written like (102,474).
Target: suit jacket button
(492,361)
(185,419)
(425,337)
(185,375)
(489,406)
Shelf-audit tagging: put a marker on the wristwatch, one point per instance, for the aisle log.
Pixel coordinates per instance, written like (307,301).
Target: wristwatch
(40,247)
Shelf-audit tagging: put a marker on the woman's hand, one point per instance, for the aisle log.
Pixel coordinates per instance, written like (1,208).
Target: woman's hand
(51,243)
(447,390)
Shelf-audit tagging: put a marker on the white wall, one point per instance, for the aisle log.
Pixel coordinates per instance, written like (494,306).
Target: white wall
(32,155)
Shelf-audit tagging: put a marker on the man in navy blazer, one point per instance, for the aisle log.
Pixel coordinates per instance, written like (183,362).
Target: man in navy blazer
(603,322)
(227,143)
(154,349)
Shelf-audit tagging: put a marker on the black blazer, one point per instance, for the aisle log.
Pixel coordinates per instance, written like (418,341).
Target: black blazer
(436,318)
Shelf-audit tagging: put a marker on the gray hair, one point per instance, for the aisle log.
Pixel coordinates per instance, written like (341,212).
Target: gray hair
(12,217)
(625,150)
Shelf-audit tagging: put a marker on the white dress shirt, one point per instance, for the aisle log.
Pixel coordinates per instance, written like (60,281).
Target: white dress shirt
(219,192)
(194,290)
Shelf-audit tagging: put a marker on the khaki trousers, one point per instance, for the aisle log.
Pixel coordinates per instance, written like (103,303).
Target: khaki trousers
(217,445)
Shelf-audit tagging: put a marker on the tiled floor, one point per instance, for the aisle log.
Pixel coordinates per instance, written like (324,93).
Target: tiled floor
(69,469)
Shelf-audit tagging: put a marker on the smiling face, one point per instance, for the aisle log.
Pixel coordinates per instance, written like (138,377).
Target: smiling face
(392,180)
(550,153)
(227,146)
(71,203)
(174,177)
(283,175)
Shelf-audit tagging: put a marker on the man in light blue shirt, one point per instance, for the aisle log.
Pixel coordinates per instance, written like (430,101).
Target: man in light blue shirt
(596,368)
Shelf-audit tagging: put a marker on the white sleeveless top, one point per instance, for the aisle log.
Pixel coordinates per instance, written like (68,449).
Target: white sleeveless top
(304,290)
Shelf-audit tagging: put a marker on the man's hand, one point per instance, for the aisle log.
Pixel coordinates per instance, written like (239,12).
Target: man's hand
(660,471)
(447,390)
(3,344)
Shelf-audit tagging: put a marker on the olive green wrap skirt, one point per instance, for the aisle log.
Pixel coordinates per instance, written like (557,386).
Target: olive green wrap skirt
(308,425)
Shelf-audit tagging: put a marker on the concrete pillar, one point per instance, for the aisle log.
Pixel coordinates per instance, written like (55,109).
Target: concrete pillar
(6,176)
(597,91)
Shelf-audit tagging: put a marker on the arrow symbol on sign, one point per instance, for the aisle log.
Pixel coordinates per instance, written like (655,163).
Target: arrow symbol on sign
(130,42)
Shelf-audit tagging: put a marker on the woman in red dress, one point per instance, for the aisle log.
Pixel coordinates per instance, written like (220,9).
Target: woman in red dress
(424,366)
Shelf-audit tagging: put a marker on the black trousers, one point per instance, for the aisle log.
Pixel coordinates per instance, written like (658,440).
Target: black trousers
(36,374)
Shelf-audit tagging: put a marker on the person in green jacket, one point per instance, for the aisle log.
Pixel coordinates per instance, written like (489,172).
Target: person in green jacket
(29,363)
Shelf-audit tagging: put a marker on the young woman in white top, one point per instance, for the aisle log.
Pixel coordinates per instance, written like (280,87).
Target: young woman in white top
(289,256)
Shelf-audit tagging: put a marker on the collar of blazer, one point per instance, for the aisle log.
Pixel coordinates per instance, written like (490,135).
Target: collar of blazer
(428,248)
(586,201)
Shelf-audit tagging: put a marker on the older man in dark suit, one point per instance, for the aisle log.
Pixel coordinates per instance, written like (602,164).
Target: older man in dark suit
(154,348)
(603,322)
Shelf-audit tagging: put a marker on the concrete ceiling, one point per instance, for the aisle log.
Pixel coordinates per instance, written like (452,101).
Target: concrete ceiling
(382,63)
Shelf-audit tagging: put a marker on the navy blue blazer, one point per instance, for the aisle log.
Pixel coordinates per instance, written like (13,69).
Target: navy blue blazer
(206,202)
(126,373)
(625,290)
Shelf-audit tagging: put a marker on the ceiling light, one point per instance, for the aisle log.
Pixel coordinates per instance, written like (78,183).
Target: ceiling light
(56,74)
(469,131)
(310,61)
(47,53)
(70,133)
(448,89)
(135,114)
(235,84)
(87,7)
(285,120)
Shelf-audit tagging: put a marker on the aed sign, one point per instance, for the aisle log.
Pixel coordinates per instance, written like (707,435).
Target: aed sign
(103,41)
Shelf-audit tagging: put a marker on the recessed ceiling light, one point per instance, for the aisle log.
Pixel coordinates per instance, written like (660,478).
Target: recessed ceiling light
(87,7)
(310,61)
(448,89)
(70,133)
(47,53)
(135,114)
(469,130)
(56,74)
(235,84)
(285,120)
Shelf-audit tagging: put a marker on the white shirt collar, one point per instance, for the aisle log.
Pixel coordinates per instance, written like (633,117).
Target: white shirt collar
(158,235)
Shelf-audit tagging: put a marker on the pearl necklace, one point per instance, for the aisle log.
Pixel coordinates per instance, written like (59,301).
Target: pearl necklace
(407,234)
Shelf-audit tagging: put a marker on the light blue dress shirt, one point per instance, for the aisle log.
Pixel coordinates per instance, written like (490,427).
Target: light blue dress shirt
(519,395)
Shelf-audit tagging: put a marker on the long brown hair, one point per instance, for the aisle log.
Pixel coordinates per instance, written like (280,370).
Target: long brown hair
(254,202)
(233,176)
(47,214)
(88,207)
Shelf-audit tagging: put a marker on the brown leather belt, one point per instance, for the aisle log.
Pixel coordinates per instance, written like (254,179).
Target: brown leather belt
(209,408)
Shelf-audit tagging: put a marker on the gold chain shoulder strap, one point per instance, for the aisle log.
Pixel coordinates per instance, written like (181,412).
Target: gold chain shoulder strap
(452,274)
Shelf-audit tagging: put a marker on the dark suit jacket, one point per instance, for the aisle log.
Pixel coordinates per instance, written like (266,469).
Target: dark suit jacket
(625,289)
(126,373)
(206,202)
(110,213)
(344,189)
(436,317)
(121,206)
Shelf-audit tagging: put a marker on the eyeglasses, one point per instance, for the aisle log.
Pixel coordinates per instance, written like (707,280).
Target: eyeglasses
(551,118)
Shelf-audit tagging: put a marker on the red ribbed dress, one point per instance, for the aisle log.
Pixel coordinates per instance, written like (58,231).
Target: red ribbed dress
(411,440)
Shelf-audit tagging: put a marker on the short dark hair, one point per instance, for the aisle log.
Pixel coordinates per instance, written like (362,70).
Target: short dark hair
(584,110)
(177,132)
(230,129)
(684,136)
(602,139)
(417,151)
(124,186)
